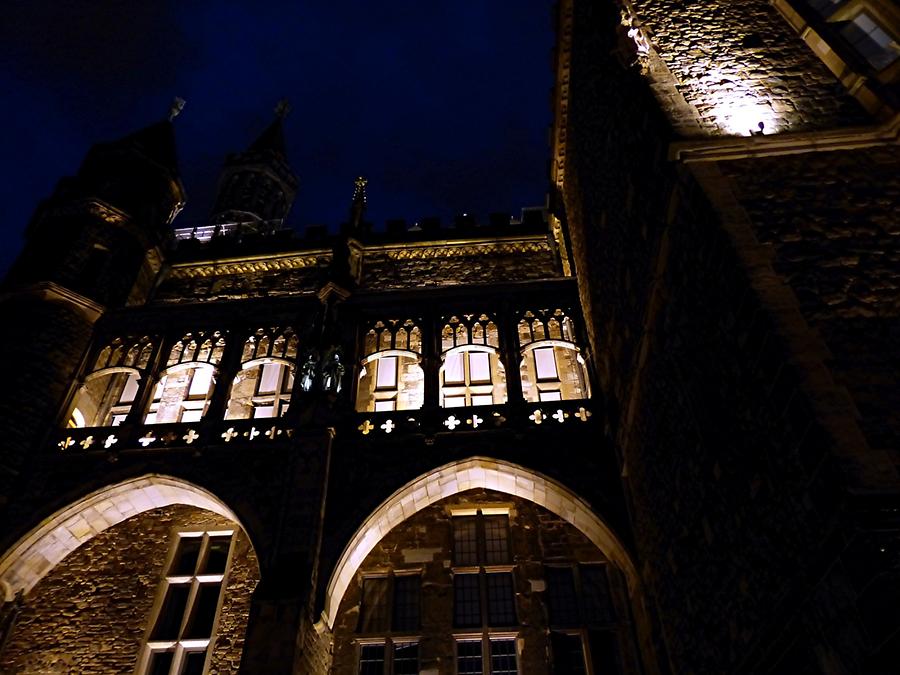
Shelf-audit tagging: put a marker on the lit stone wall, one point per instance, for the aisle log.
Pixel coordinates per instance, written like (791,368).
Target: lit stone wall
(739,63)
(424,542)
(90,613)
(450,265)
(735,476)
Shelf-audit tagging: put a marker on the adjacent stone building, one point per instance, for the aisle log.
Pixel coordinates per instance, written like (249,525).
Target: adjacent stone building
(651,428)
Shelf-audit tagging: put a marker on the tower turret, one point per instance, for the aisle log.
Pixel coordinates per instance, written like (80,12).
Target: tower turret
(94,244)
(93,235)
(257,186)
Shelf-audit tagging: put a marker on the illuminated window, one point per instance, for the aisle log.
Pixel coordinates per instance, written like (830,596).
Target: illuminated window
(472,373)
(264,384)
(390,605)
(870,41)
(185,388)
(552,367)
(111,389)
(185,621)
(390,375)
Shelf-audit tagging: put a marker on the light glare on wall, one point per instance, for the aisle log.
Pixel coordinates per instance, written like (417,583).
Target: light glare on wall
(743,116)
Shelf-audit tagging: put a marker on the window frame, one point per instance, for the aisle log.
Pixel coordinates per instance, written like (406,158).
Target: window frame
(183,645)
(468,389)
(390,636)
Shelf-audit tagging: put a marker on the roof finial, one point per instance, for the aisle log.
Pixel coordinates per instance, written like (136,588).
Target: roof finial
(176,108)
(282,108)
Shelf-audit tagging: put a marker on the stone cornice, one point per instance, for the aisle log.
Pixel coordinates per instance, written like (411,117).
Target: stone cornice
(49,291)
(742,147)
(248,264)
(463,248)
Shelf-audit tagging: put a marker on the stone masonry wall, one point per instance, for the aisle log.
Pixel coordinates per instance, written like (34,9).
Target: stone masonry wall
(726,55)
(736,504)
(833,221)
(90,613)
(390,271)
(424,542)
(43,352)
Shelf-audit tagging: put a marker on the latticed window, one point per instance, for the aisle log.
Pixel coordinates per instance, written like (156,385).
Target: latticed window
(185,387)
(472,373)
(484,599)
(264,384)
(185,621)
(391,376)
(390,606)
(552,367)
(582,617)
(111,388)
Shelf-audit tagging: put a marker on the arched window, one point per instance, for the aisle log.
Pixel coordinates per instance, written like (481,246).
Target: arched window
(472,373)
(263,386)
(552,367)
(391,375)
(185,387)
(109,391)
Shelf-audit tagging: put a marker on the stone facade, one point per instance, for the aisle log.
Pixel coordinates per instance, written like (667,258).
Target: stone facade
(423,546)
(91,613)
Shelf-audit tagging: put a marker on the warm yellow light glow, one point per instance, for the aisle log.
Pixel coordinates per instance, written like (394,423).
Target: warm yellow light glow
(743,117)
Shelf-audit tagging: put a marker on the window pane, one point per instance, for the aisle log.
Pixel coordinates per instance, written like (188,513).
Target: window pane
(466,601)
(465,540)
(549,396)
(595,595)
(270,378)
(468,658)
(169,621)
(479,367)
(200,382)
(204,614)
(453,368)
(501,600)
(382,406)
(454,401)
(568,654)
(406,603)
(263,411)
(371,660)
(545,363)
(561,600)
(482,399)
(386,377)
(406,658)
(604,651)
(496,540)
(373,613)
(186,557)
(503,657)
(191,416)
(160,663)
(217,555)
(193,663)
(130,389)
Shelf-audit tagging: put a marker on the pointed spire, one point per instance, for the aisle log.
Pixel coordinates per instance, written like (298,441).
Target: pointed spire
(358,205)
(272,139)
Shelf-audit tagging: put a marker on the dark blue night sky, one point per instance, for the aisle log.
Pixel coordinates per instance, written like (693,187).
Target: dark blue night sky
(445,106)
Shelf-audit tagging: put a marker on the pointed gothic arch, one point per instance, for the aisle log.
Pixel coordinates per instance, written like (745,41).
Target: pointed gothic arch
(459,476)
(33,556)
